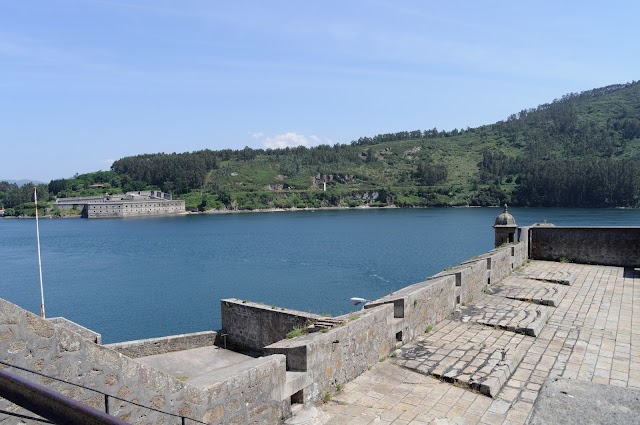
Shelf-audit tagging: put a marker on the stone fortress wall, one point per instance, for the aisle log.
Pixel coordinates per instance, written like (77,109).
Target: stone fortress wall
(29,341)
(303,369)
(132,204)
(607,246)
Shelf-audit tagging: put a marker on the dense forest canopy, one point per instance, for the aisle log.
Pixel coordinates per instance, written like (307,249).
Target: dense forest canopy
(581,150)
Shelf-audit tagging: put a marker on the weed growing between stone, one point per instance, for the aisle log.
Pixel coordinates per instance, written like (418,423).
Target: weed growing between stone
(296,332)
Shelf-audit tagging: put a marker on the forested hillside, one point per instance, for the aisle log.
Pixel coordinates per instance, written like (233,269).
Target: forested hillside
(582,150)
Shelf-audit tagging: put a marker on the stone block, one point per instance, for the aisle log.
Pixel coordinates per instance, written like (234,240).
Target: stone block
(252,326)
(614,246)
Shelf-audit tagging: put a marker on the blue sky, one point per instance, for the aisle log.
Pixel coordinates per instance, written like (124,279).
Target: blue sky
(83,83)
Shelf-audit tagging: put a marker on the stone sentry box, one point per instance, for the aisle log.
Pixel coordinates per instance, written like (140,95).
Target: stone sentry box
(505,228)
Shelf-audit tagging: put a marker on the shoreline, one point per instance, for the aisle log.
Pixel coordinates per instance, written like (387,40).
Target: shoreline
(361,207)
(40,217)
(273,210)
(265,210)
(276,210)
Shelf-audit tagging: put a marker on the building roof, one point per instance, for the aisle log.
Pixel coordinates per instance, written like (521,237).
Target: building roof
(505,219)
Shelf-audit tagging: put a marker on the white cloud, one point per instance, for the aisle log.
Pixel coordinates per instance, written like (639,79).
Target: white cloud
(108,162)
(286,140)
(289,140)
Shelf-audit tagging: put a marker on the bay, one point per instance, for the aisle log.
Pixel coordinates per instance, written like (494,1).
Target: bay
(147,277)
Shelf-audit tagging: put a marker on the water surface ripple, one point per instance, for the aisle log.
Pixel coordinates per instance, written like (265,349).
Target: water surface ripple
(146,277)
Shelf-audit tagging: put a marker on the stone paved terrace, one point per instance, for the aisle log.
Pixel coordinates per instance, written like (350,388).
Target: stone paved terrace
(200,366)
(593,335)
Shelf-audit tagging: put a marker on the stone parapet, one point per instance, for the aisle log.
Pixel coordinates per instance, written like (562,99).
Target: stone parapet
(252,326)
(337,356)
(422,305)
(86,333)
(251,394)
(165,344)
(610,246)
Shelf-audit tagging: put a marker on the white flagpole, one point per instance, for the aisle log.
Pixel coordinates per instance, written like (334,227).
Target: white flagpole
(35,198)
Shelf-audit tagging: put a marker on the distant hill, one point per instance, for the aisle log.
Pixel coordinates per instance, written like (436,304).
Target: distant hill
(22,182)
(581,150)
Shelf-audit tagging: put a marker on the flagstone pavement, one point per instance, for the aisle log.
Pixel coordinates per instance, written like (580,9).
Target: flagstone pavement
(592,335)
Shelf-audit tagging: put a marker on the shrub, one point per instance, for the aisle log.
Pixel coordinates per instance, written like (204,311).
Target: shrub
(296,332)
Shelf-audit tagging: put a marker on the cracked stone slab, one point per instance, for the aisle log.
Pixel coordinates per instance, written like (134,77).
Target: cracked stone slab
(561,277)
(533,291)
(470,362)
(581,402)
(510,315)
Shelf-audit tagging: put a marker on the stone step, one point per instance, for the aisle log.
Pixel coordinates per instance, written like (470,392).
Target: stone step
(502,313)
(485,370)
(326,323)
(480,360)
(559,277)
(532,291)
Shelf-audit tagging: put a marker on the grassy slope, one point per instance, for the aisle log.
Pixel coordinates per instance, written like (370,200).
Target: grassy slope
(396,161)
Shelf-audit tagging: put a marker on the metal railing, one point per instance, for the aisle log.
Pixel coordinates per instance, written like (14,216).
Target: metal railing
(58,408)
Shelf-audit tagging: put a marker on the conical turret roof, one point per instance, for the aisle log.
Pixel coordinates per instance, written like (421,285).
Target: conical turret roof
(505,219)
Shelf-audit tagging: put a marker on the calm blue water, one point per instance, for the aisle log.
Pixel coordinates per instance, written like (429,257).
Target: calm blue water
(148,277)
